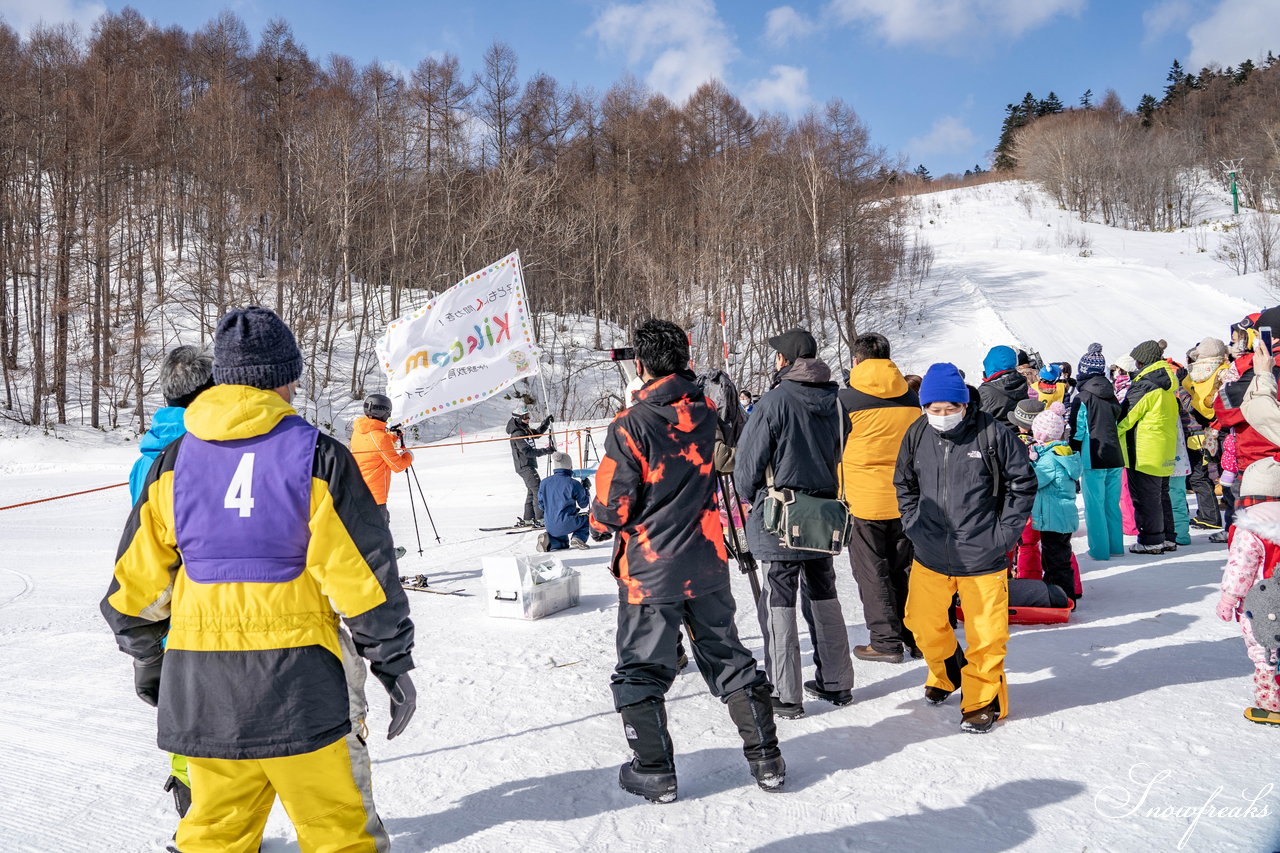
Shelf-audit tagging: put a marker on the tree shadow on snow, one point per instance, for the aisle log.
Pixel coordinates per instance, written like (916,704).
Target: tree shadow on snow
(990,821)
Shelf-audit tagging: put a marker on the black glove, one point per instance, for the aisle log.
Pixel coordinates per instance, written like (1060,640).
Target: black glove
(404,700)
(146,678)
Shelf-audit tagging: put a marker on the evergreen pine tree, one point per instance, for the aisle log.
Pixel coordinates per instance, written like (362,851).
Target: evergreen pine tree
(1086,100)
(1015,116)
(1242,73)
(977,169)
(923,174)
(1049,106)
(1146,107)
(1176,77)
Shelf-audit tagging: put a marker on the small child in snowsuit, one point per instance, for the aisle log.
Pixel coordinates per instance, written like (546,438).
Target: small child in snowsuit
(561,498)
(1254,552)
(1051,389)
(1054,513)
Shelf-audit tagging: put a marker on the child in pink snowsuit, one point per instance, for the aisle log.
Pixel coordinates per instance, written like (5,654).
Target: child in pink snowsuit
(1254,553)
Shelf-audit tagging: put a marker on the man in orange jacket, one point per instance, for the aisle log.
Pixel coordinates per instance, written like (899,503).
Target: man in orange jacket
(880,407)
(376,453)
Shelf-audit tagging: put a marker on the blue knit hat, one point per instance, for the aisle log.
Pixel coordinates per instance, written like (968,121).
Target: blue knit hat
(1051,373)
(252,346)
(943,384)
(1092,362)
(998,360)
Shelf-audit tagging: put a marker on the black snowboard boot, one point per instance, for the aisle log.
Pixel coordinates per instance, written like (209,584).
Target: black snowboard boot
(651,773)
(181,794)
(751,710)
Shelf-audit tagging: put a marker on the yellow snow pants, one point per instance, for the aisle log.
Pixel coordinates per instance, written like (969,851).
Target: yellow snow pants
(985,600)
(327,794)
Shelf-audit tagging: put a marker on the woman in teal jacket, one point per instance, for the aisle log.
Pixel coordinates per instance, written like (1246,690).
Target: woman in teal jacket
(1054,514)
(186,372)
(1094,415)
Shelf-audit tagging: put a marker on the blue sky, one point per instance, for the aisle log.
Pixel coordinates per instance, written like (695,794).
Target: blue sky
(930,78)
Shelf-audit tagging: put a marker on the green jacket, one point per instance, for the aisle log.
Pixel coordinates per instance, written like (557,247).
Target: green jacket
(1149,428)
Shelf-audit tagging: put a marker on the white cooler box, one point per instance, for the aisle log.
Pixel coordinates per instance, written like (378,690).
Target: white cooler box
(516,592)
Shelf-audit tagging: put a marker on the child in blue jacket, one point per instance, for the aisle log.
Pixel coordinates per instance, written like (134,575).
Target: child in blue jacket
(1054,513)
(562,497)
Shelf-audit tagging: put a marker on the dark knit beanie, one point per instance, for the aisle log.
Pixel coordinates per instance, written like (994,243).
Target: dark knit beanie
(254,347)
(1092,362)
(185,372)
(1147,352)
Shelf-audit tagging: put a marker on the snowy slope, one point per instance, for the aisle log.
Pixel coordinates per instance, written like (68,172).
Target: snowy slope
(1011,268)
(508,751)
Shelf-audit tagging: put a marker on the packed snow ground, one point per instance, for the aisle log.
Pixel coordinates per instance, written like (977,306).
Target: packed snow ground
(1123,723)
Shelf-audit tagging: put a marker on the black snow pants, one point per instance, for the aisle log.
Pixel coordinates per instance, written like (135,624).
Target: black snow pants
(647,639)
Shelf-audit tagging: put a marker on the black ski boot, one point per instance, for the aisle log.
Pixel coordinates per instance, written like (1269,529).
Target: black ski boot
(751,710)
(181,794)
(651,773)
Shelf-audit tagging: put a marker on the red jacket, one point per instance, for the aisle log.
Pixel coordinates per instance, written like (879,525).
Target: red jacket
(1251,445)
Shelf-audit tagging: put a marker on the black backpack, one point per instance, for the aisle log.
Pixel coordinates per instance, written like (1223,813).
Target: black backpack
(730,419)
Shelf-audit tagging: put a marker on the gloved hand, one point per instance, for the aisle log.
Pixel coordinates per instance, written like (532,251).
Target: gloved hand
(404,700)
(1230,607)
(1228,478)
(1210,443)
(146,678)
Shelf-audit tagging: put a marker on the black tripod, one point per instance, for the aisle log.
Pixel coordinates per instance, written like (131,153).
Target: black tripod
(735,535)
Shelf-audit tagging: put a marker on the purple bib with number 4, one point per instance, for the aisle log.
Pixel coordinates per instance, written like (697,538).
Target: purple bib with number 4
(242,508)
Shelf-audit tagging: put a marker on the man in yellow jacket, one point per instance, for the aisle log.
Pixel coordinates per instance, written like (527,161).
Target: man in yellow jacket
(253,540)
(880,407)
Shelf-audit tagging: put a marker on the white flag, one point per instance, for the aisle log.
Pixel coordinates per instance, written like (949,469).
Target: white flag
(462,347)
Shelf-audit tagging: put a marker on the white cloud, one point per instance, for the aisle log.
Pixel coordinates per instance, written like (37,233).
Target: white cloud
(1236,30)
(685,40)
(24,15)
(949,135)
(786,89)
(785,24)
(937,21)
(1163,18)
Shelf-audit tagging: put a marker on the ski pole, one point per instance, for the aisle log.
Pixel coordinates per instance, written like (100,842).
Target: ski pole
(422,495)
(746,562)
(414,510)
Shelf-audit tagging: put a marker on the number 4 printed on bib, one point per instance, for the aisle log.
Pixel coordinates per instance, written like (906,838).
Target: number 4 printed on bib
(240,492)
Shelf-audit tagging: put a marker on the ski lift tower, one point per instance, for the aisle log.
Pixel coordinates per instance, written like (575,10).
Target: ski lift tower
(1232,168)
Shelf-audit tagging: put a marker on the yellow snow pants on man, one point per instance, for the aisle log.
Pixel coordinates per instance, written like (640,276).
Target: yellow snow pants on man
(326,793)
(985,600)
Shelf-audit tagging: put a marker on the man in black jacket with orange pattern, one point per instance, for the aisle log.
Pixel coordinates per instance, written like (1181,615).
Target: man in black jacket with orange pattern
(656,489)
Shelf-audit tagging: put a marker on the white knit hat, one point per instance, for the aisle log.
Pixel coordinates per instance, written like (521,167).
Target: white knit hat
(1261,479)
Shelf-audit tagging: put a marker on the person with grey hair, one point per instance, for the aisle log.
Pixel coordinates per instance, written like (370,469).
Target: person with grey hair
(184,373)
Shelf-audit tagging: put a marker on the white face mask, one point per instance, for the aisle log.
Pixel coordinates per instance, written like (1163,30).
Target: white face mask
(942,423)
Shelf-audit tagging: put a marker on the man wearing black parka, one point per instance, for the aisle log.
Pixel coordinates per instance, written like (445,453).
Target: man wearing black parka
(965,489)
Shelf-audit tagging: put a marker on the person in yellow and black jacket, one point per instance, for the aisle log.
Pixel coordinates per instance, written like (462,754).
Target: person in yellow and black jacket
(253,537)
(655,488)
(880,407)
